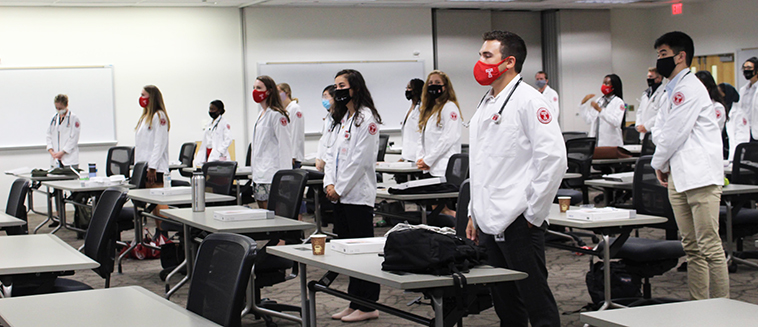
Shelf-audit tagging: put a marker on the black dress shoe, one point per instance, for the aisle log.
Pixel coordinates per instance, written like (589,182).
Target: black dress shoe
(53,224)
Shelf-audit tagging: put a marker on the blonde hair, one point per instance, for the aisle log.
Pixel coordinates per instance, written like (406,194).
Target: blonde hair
(430,106)
(155,105)
(287,90)
(62,99)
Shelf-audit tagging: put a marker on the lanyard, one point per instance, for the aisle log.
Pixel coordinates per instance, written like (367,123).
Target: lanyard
(496,117)
(218,120)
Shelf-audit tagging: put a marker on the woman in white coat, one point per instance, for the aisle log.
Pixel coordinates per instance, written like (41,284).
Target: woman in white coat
(327,101)
(409,126)
(271,146)
(605,114)
(439,124)
(717,98)
(297,123)
(217,136)
(63,135)
(350,176)
(151,140)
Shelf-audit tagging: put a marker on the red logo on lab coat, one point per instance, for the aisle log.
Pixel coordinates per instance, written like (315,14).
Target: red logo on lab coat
(622,107)
(544,116)
(718,113)
(283,121)
(744,121)
(299,114)
(228,126)
(372,128)
(555,99)
(678,98)
(163,122)
(76,124)
(454,116)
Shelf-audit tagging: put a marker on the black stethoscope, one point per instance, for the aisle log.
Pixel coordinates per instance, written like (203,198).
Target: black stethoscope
(218,120)
(499,115)
(348,133)
(66,117)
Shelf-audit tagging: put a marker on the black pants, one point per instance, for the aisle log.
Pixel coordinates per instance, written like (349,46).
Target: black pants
(354,221)
(526,300)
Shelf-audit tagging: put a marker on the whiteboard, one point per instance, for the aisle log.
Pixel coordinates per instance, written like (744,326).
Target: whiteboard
(386,80)
(27,95)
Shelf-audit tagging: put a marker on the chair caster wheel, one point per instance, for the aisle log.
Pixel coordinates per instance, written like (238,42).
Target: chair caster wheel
(733,267)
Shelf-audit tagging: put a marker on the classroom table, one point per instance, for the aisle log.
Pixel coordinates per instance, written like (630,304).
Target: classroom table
(36,184)
(571,175)
(43,253)
(368,267)
(605,228)
(205,221)
(7,220)
(614,161)
(394,151)
(60,202)
(702,313)
(398,170)
(420,199)
(113,307)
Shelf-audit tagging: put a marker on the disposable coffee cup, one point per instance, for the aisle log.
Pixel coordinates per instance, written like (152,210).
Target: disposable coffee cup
(318,242)
(564,202)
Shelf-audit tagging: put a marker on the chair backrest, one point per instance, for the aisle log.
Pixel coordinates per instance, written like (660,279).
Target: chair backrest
(219,176)
(187,156)
(648,147)
(220,276)
(15,206)
(573,135)
(461,214)
(464,148)
(286,193)
(118,160)
(102,233)
(384,139)
(649,196)
(579,152)
(631,135)
(745,164)
(249,155)
(457,169)
(139,179)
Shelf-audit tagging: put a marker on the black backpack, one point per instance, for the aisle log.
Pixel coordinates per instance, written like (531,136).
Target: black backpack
(424,251)
(623,284)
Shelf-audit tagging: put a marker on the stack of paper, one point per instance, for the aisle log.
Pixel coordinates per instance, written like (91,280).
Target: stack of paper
(359,245)
(243,214)
(175,190)
(627,177)
(21,170)
(593,214)
(401,164)
(420,182)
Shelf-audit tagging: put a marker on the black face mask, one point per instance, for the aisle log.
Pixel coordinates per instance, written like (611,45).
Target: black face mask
(665,66)
(650,81)
(748,74)
(342,96)
(434,91)
(213,115)
(408,94)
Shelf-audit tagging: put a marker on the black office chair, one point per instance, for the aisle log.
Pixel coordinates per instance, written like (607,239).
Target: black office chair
(219,176)
(631,135)
(745,222)
(139,180)
(457,169)
(573,135)
(247,189)
(461,215)
(15,206)
(186,157)
(648,147)
(579,153)
(383,141)
(118,161)
(464,148)
(651,198)
(220,276)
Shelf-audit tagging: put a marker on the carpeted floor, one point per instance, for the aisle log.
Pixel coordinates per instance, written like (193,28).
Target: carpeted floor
(567,281)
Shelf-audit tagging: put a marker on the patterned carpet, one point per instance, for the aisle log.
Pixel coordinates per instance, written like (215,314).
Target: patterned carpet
(567,281)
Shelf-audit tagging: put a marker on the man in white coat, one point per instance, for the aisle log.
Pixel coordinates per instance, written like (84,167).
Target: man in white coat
(748,104)
(518,159)
(63,135)
(650,103)
(550,95)
(688,160)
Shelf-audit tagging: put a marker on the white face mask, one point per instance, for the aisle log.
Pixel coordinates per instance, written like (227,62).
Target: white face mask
(61,112)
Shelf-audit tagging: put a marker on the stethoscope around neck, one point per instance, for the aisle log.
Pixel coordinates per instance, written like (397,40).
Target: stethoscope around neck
(347,134)
(497,117)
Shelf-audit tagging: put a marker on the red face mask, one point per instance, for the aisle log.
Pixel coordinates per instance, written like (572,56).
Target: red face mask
(485,74)
(606,89)
(259,96)
(144,101)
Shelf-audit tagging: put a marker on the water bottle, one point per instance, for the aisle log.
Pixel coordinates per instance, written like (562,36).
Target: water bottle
(198,192)
(167,181)
(92,170)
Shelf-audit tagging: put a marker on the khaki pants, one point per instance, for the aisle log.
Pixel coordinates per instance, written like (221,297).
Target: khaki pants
(697,216)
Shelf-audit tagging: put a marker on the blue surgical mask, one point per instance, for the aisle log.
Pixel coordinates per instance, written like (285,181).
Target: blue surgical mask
(326,103)
(541,83)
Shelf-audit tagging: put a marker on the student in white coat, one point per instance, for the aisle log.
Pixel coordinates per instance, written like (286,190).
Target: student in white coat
(327,101)
(650,103)
(63,135)
(151,140)
(297,123)
(688,160)
(350,176)
(409,127)
(749,96)
(517,158)
(217,136)
(271,145)
(605,114)
(717,98)
(551,96)
(439,123)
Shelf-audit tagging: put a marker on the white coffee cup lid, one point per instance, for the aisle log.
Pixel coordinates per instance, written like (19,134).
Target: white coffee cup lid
(318,236)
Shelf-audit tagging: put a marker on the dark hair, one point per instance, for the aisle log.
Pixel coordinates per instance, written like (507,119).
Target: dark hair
(273,101)
(543,73)
(617,86)
(510,45)
(754,60)
(219,105)
(417,88)
(329,88)
(710,84)
(730,96)
(677,41)
(361,98)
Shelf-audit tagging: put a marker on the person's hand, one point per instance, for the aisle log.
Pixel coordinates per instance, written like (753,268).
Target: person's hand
(587,98)
(596,106)
(151,175)
(663,178)
(471,231)
(320,165)
(641,129)
(58,155)
(331,194)
(420,164)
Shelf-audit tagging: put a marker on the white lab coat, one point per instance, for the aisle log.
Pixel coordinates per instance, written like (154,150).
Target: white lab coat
(64,135)
(720,111)
(151,143)
(351,161)
(516,166)
(748,103)
(323,144)
(551,97)
(687,136)
(440,141)
(217,135)
(609,119)
(271,145)
(410,134)
(297,130)
(649,107)
(737,129)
